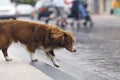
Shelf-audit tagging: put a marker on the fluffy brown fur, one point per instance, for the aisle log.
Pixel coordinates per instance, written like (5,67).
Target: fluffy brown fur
(34,36)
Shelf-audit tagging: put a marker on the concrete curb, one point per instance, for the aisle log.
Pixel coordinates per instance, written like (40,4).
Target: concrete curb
(19,70)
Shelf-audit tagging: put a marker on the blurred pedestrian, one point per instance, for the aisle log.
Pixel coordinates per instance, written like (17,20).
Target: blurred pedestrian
(79,12)
(75,13)
(58,13)
(85,14)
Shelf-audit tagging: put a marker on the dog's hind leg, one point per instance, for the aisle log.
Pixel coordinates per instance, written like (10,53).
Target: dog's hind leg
(5,42)
(51,56)
(6,55)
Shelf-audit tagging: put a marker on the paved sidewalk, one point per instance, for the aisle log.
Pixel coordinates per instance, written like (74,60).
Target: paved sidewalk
(99,50)
(19,70)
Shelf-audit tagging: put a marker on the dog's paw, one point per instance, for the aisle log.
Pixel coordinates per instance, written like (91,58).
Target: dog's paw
(35,60)
(8,59)
(56,65)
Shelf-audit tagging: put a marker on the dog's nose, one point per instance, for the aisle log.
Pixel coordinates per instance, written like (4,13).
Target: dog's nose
(74,50)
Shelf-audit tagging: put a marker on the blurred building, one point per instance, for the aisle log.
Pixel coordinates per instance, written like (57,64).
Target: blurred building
(99,6)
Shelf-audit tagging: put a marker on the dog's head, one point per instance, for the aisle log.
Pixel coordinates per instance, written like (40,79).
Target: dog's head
(69,42)
(64,39)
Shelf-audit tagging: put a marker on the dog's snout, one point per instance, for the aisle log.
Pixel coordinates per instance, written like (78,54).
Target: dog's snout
(71,49)
(74,49)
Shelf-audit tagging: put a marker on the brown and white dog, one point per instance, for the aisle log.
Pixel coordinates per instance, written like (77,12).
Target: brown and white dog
(34,36)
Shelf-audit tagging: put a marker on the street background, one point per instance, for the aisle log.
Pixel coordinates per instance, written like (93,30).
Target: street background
(98,49)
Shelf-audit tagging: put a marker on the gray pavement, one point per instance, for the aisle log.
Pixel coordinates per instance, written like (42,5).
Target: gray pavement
(19,70)
(99,50)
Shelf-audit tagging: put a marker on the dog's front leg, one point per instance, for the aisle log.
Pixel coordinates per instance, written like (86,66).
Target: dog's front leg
(32,57)
(50,54)
(31,49)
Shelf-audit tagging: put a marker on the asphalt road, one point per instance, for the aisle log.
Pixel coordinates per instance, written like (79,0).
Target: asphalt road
(97,56)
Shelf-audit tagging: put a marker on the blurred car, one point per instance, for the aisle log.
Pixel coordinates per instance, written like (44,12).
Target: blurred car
(44,8)
(7,10)
(25,10)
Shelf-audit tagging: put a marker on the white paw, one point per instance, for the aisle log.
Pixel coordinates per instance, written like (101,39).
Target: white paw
(34,60)
(8,59)
(56,65)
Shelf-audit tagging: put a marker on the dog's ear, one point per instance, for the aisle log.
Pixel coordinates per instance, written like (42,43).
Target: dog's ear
(65,38)
(68,38)
(56,33)
(58,36)
(61,39)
